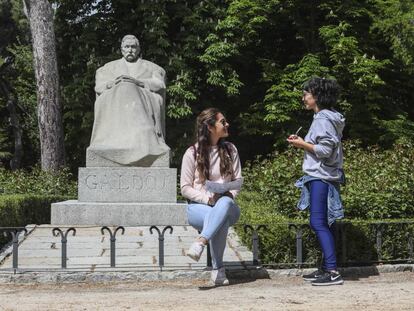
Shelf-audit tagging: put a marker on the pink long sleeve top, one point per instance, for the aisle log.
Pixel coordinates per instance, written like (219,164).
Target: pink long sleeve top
(192,188)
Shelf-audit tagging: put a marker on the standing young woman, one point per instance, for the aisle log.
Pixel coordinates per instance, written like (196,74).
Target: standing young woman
(322,166)
(210,158)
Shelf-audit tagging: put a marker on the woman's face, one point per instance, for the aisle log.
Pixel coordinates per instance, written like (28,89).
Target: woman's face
(220,128)
(309,101)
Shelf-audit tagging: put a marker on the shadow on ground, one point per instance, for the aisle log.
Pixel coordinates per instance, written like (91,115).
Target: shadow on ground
(239,275)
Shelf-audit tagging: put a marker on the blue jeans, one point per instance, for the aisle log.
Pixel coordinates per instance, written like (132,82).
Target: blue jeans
(319,222)
(214,222)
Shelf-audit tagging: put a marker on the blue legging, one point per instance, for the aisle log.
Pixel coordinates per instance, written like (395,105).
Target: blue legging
(214,222)
(319,223)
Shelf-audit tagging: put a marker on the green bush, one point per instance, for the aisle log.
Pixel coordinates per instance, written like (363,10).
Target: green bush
(37,182)
(379,186)
(379,183)
(22,209)
(269,183)
(26,196)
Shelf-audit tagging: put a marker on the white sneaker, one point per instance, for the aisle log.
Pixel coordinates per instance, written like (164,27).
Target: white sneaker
(218,277)
(195,250)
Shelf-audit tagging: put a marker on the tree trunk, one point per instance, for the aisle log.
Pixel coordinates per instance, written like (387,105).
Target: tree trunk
(40,15)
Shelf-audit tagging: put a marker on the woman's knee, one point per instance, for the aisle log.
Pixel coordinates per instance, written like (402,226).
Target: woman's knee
(318,224)
(227,203)
(195,215)
(225,200)
(232,210)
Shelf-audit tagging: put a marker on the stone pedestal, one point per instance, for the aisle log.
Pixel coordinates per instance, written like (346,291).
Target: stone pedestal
(127,184)
(73,212)
(123,196)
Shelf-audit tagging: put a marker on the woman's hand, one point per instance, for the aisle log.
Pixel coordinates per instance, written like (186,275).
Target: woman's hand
(228,194)
(296,141)
(212,200)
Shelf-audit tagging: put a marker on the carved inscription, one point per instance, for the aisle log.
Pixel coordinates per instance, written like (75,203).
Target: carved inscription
(128,182)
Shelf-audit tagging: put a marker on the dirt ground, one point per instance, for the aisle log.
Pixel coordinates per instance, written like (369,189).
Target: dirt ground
(390,291)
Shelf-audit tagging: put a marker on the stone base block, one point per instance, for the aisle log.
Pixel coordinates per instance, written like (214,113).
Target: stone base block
(73,212)
(127,184)
(95,160)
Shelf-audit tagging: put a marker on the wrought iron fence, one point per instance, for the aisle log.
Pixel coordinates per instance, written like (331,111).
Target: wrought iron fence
(14,232)
(259,237)
(381,242)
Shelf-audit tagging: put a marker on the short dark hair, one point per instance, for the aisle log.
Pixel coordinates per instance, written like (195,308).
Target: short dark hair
(325,91)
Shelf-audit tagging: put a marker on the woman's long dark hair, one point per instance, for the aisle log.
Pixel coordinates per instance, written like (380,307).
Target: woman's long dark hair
(202,154)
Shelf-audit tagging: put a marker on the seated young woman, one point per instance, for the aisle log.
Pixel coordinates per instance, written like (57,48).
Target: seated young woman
(211,158)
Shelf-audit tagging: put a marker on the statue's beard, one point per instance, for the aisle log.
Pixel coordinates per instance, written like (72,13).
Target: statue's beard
(131,57)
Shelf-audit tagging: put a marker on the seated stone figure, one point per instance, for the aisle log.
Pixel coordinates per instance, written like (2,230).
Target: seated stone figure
(128,129)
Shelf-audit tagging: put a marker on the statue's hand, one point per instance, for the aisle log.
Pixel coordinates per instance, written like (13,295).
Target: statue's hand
(123,78)
(110,84)
(129,79)
(139,83)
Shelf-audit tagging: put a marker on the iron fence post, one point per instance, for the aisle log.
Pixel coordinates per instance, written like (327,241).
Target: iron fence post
(15,232)
(113,240)
(56,232)
(299,242)
(255,241)
(161,243)
(378,228)
(209,261)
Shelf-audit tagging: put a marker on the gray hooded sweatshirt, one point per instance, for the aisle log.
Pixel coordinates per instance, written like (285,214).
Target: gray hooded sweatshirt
(325,134)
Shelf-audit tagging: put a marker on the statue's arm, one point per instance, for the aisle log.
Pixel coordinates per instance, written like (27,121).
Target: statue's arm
(103,81)
(157,82)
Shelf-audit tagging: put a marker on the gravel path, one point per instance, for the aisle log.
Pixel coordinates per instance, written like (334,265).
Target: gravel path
(390,291)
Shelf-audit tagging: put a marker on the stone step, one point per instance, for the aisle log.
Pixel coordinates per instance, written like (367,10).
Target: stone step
(89,251)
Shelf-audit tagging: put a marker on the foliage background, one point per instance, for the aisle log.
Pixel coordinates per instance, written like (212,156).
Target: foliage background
(247,57)
(379,188)
(379,184)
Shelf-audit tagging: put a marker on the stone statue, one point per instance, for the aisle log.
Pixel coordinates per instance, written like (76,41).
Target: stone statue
(129,127)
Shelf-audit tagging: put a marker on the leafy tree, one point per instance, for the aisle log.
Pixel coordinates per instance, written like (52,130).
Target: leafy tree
(329,38)
(18,77)
(248,57)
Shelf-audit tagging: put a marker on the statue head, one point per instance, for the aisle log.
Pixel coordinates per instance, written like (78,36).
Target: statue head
(130,48)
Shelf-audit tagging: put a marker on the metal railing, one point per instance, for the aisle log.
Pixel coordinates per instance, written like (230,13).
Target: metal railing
(374,236)
(252,235)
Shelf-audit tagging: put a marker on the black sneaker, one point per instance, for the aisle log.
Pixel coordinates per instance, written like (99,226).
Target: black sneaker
(314,275)
(329,278)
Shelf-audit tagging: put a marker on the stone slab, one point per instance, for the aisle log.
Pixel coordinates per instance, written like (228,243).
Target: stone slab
(136,275)
(95,160)
(73,213)
(127,184)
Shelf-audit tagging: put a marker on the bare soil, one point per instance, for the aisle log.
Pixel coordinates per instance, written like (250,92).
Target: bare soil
(390,291)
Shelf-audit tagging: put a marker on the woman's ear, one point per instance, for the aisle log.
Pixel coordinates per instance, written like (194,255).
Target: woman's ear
(210,127)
